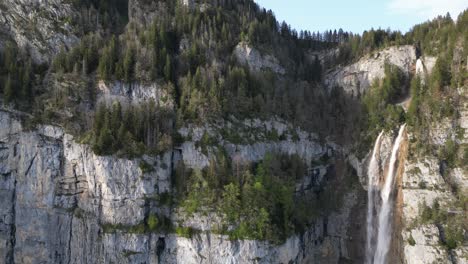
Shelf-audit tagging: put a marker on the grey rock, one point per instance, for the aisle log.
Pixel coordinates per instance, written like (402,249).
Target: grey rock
(50,21)
(356,78)
(57,197)
(256,61)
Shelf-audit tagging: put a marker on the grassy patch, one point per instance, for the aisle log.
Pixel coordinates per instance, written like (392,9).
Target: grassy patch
(187,232)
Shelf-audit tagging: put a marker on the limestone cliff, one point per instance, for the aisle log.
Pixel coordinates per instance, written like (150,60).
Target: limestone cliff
(62,203)
(255,60)
(356,78)
(427,183)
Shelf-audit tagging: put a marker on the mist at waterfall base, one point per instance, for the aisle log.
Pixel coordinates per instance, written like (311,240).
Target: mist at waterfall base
(379,229)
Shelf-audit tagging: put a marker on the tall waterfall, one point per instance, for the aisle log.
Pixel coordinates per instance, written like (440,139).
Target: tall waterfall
(385,216)
(379,232)
(372,187)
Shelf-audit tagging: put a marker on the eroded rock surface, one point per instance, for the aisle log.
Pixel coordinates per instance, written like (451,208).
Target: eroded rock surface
(42,27)
(255,60)
(61,203)
(356,78)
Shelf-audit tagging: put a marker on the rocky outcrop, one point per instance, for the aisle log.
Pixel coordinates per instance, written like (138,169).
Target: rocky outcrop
(452,128)
(422,184)
(42,27)
(356,78)
(425,180)
(327,241)
(248,55)
(426,248)
(60,195)
(463,110)
(134,93)
(254,140)
(424,66)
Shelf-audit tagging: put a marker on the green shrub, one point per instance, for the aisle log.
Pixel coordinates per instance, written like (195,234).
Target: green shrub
(272,135)
(422,185)
(205,142)
(232,136)
(449,152)
(137,229)
(152,222)
(165,198)
(453,235)
(411,240)
(187,232)
(145,167)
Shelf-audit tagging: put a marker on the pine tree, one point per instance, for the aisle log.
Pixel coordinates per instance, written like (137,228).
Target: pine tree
(116,116)
(317,67)
(106,140)
(129,64)
(168,69)
(99,119)
(230,202)
(26,81)
(103,67)
(9,91)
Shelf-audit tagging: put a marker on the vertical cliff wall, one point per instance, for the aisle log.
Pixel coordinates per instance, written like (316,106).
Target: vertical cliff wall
(61,203)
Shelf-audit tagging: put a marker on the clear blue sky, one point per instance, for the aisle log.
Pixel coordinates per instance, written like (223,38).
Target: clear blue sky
(359,15)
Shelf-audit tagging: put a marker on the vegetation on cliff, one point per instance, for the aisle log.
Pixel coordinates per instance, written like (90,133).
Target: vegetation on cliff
(189,52)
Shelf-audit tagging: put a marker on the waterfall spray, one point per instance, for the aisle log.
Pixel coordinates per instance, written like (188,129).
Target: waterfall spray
(372,184)
(385,217)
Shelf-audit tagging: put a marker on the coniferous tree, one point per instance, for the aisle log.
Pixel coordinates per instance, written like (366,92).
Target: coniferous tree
(168,69)
(9,91)
(99,119)
(129,64)
(26,81)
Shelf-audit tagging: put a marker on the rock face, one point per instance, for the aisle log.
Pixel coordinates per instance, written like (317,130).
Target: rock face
(356,78)
(49,19)
(424,66)
(256,141)
(62,203)
(419,181)
(134,93)
(323,243)
(58,194)
(256,61)
(427,248)
(423,184)
(425,180)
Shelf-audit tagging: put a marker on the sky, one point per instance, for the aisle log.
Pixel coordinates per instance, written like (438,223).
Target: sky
(360,15)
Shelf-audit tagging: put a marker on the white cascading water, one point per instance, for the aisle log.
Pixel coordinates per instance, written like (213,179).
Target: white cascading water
(372,187)
(385,217)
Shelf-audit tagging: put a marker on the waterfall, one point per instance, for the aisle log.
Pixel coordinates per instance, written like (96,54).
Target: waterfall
(372,186)
(385,213)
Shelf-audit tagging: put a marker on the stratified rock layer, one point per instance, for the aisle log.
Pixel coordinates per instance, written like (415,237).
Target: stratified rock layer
(61,203)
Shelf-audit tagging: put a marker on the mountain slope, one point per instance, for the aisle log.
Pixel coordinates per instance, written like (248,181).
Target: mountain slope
(200,131)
